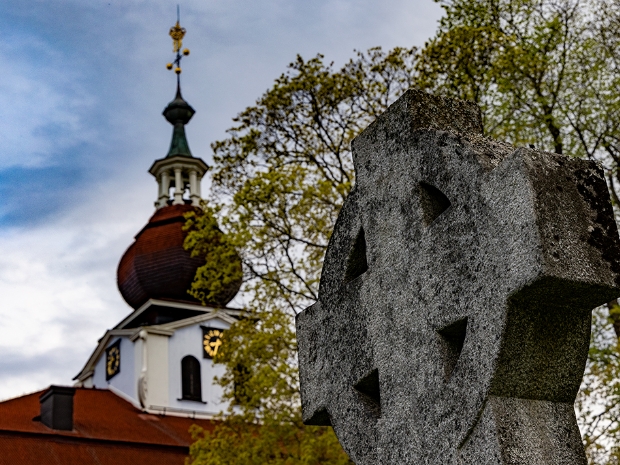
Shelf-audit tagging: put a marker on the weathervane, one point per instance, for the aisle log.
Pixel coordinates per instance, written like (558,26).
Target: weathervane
(177,33)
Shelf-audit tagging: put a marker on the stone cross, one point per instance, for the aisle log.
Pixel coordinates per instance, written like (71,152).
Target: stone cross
(453,319)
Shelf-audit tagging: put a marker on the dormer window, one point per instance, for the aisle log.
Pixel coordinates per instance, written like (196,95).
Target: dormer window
(190,379)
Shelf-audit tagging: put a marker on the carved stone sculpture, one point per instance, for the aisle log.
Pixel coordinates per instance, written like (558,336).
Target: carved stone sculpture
(453,319)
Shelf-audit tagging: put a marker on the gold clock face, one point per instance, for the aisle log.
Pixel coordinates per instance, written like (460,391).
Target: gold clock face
(113,361)
(212,340)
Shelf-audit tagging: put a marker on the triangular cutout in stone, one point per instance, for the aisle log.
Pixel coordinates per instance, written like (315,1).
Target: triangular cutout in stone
(368,386)
(433,203)
(357,264)
(452,341)
(320,418)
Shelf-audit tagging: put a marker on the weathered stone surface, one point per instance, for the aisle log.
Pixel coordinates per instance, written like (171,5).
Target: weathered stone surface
(453,318)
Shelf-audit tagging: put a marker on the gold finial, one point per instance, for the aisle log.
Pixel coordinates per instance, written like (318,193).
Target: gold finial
(177,33)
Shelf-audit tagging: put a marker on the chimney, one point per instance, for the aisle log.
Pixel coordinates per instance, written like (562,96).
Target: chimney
(57,407)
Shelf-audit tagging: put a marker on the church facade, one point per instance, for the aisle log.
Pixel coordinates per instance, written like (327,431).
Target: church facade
(163,368)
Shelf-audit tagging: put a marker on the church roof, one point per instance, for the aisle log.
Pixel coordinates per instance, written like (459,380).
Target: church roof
(106,430)
(178,113)
(157,266)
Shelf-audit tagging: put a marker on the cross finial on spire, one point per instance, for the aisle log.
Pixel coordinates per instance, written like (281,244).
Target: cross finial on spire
(177,33)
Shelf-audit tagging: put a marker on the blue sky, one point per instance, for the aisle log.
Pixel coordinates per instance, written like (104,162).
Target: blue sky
(82,88)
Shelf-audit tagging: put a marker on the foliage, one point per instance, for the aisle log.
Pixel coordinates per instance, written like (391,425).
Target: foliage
(222,269)
(263,423)
(286,168)
(544,72)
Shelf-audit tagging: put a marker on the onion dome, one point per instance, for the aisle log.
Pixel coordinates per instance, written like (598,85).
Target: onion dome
(156,266)
(178,113)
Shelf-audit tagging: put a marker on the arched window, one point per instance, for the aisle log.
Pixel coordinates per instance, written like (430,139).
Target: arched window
(190,379)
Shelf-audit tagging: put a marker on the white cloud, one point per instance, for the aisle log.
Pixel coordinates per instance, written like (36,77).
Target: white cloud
(41,103)
(58,288)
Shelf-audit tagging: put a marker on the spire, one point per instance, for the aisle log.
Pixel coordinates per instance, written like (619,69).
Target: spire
(177,33)
(179,169)
(178,112)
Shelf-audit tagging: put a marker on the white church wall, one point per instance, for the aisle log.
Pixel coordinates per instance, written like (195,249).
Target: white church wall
(188,341)
(87,383)
(124,380)
(99,373)
(137,368)
(157,370)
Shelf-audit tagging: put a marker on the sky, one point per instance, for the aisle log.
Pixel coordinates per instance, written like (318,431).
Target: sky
(82,87)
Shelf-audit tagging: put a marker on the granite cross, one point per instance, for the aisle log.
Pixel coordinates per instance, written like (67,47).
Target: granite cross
(453,319)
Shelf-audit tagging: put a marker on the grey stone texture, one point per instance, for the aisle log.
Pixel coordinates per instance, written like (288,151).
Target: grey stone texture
(453,319)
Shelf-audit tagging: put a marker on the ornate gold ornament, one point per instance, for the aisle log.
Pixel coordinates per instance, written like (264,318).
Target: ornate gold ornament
(177,33)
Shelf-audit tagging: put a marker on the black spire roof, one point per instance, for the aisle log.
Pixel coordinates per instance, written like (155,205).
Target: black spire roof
(178,113)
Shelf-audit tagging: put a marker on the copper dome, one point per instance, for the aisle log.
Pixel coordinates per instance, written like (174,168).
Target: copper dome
(156,266)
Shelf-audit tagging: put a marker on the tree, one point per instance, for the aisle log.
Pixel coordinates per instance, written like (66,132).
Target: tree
(279,181)
(544,72)
(286,168)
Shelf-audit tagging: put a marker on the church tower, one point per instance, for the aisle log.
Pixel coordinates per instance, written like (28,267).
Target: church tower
(160,356)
